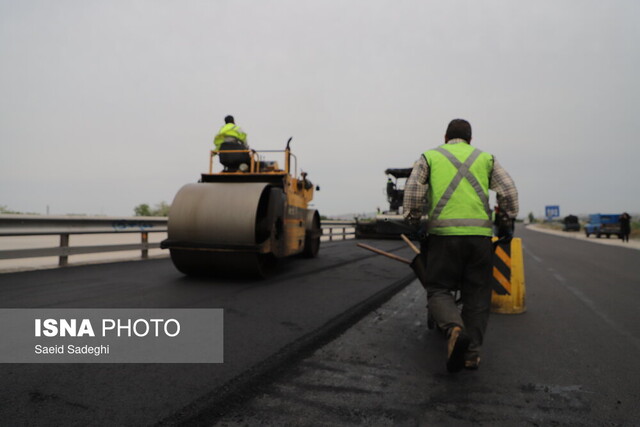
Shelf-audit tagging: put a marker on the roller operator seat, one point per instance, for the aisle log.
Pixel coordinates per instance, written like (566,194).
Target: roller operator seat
(232,161)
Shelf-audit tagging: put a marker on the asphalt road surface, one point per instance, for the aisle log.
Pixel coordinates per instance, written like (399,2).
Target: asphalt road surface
(571,359)
(265,322)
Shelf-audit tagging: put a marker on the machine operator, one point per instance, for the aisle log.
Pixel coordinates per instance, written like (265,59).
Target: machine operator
(459,256)
(231,133)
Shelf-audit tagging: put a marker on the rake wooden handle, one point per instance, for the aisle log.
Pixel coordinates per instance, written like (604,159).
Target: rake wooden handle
(387,254)
(410,243)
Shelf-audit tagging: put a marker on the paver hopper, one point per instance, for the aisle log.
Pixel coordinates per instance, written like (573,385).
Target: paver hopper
(390,223)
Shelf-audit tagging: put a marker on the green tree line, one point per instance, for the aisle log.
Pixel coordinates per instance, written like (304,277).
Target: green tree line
(160,209)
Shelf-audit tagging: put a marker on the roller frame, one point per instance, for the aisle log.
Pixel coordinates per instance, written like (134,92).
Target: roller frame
(242,221)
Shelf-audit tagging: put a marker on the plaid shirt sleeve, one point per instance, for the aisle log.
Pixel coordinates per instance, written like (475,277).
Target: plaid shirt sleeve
(415,191)
(503,185)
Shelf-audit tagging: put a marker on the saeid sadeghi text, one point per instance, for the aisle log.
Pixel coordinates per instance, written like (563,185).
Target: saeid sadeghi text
(95,350)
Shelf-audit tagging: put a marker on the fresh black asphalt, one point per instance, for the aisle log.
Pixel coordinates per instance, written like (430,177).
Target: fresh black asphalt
(569,360)
(262,318)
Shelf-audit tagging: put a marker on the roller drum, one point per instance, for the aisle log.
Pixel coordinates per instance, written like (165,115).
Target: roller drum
(219,227)
(216,213)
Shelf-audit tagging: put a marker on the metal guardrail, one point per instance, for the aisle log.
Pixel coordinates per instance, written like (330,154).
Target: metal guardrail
(337,225)
(35,225)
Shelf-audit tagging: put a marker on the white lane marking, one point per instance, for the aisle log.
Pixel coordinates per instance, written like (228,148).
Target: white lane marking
(633,244)
(586,301)
(601,314)
(536,258)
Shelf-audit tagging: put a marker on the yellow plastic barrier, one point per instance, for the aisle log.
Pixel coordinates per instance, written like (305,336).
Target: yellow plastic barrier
(508,279)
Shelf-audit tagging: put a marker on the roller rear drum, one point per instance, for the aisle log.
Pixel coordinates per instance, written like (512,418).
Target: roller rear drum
(221,229)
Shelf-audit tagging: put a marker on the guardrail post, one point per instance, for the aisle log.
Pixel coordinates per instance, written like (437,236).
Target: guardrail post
(344,233)
(144,237)
(331,234)
(64,243)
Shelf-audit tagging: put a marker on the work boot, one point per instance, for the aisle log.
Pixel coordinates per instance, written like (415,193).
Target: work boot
(472,363)
(457,347)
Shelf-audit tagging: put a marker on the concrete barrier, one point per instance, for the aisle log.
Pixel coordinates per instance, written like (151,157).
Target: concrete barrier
(508,296)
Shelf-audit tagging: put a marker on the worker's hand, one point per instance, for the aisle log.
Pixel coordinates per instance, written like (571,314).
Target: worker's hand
(412,222)
(506,227)
(413,219)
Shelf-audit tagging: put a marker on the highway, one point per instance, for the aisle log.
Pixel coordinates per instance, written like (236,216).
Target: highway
(296,352)
(262,319)
(569,360)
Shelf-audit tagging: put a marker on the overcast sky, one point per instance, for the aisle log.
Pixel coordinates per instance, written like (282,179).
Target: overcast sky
(108,104)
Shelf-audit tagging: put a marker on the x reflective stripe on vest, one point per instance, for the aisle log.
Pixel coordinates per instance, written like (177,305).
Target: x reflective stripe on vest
(463,172)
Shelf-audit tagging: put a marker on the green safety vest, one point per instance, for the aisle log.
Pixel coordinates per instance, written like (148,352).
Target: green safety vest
(458,191)
(229,129)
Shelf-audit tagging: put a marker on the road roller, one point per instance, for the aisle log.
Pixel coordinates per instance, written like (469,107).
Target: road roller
(241,220)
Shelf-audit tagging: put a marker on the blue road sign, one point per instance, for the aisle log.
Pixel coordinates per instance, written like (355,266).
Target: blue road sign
(552,211)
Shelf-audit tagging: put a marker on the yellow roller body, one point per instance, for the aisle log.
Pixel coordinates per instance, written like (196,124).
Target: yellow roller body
(240,222)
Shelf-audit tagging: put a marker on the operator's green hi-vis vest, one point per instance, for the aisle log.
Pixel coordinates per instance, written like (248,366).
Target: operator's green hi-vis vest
(229,129)
(458,193)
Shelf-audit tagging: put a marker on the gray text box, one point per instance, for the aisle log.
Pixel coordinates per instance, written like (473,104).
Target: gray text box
(163,335)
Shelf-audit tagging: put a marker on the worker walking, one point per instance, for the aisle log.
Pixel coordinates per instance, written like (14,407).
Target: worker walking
(459,256)
(230,133)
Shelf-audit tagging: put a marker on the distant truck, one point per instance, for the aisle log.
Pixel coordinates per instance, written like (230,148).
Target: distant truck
(603,224)
(571,223)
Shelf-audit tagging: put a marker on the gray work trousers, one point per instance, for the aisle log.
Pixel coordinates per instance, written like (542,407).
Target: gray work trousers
(462,263)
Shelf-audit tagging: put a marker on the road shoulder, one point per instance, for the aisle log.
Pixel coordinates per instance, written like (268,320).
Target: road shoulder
(632,244)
